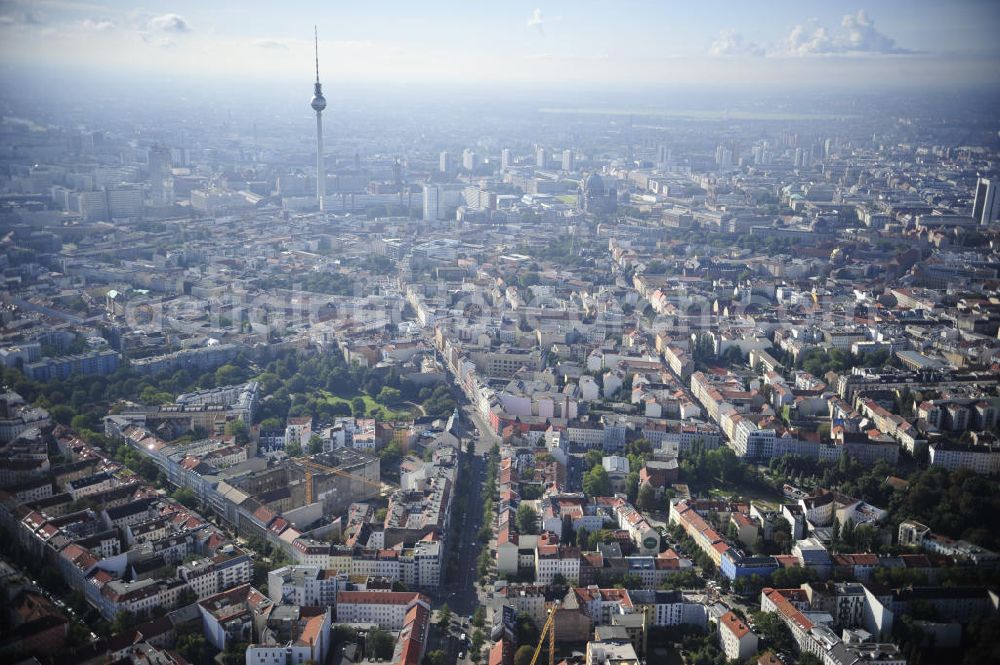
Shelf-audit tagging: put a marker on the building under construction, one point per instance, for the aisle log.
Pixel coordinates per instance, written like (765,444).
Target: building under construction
(336,478)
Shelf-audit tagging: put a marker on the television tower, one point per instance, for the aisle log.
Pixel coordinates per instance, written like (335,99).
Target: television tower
(318,103)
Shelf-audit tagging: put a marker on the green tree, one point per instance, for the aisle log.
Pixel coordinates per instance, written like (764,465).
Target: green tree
(436,657)
(238,429)
(81,422)
(235,653)
(62,414)
(343,634)
(194,648)
(773,630)
(632,485)
(380,644)
(389,396)
(640,447)
(358,407)
(479,616)
(124,621)
(526,630)
(272,424)
(847,533)
(596,482)
(485,562)
(524,654)
(293,449)
(186,497)
(444,617)
(228,375)
(315,444)
(527,519)
(647,497)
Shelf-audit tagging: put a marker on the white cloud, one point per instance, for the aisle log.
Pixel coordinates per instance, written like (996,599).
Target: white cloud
(856,35)
(730,42)
(810,38)
(536,21)
(97,25)
(271,45)
(863,37)
(169,23)
(158,42)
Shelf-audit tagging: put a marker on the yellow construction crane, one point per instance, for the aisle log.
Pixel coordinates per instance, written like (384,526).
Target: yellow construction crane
(548,629)
(317,467)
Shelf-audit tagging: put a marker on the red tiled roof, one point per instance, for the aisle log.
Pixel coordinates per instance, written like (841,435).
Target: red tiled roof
(785,607)
(500,653)
(412,636)
(734,624)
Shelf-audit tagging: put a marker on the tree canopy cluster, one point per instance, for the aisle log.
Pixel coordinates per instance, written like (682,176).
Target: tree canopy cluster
(957,504)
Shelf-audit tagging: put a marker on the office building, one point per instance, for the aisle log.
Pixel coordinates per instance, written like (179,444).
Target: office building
(432,203)
(469,160)
(986,208)
(567,160)
(160,164)
(125,201)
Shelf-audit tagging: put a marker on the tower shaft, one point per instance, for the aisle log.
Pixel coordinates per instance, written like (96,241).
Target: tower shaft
(320,163)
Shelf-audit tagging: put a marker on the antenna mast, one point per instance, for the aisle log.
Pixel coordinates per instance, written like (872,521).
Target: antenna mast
(316,42)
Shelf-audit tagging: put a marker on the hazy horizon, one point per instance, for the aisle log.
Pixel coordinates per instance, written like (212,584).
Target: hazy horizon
(788,46)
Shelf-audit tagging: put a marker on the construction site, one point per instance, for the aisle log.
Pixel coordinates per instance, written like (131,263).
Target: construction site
(336,479)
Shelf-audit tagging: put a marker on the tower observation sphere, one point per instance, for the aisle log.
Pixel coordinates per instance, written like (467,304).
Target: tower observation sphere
(318,102)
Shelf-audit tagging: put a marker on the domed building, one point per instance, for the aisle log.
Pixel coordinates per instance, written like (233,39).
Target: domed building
(594,185)
(594,197)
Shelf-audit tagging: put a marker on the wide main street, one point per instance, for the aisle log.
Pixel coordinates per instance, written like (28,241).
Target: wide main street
(458,589)
(460,585)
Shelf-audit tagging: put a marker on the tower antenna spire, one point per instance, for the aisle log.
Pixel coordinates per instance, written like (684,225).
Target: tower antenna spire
(316,43)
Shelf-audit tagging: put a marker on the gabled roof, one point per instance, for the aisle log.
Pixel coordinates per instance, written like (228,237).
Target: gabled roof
(734,624)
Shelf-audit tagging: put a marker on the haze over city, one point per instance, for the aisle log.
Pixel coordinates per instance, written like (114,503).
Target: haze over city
(513,333)
(790,44)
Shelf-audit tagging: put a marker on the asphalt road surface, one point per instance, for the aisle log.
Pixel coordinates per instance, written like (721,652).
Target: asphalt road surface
(461,588)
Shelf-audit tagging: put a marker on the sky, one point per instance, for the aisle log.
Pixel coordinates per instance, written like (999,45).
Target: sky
(783,44)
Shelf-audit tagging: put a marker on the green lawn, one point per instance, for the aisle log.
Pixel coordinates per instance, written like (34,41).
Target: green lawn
(746,491)
(371,406)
